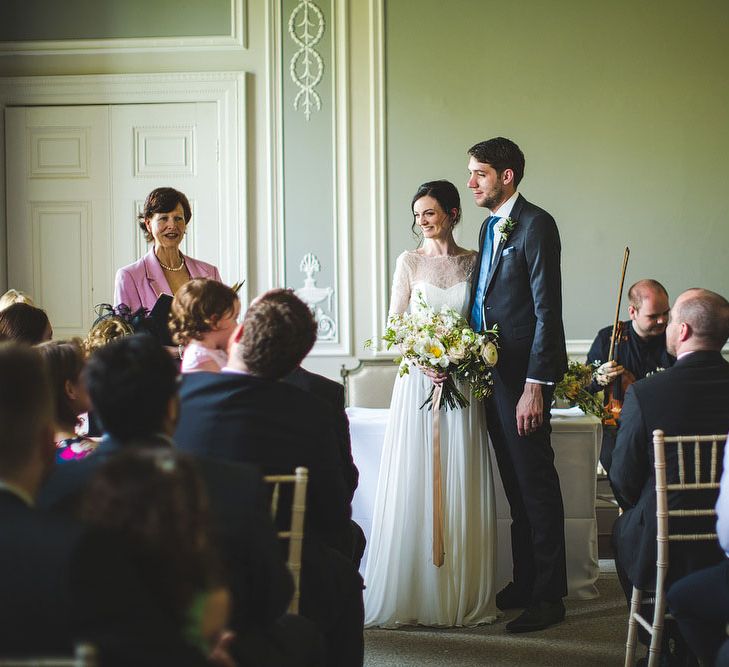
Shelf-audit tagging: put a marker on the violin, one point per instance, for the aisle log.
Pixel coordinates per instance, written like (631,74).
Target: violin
(615,391)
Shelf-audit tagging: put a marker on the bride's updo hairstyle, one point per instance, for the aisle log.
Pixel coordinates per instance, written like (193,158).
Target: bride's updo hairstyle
(445,193)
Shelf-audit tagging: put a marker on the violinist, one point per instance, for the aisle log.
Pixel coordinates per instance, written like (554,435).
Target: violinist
(640,350)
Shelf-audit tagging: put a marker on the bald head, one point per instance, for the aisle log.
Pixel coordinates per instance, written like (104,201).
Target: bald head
(699,321)
(648,308)
(643,289)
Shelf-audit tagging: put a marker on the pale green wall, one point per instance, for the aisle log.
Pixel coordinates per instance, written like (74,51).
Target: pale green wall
(105,19)
(621,109)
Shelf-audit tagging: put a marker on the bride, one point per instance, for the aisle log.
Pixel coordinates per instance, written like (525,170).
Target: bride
(403,586)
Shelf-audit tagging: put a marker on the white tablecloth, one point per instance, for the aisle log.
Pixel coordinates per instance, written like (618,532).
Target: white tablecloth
(576,442)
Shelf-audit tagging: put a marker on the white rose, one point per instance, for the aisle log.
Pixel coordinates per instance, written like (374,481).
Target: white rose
(457,352)
(489,353)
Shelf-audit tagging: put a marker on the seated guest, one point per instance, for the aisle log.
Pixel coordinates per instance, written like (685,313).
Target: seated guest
(155,500)
(61,583)
(25,324)
(640,349)
(203,316)
(246,414)
(132,383)
(65,361)
(689,398)
(14,296)
(333,393)
(700,601)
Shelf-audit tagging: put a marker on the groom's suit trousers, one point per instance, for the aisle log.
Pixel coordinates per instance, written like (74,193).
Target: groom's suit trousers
(531,484)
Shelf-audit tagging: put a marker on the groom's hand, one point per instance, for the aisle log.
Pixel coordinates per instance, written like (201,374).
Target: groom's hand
(530,409)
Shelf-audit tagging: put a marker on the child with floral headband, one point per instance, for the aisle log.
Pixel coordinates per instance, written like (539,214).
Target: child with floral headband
(203,316)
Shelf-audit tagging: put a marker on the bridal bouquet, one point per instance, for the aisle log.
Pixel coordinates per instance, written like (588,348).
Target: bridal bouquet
(443,341)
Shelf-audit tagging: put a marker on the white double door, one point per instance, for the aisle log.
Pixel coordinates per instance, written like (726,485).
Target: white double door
(77,176)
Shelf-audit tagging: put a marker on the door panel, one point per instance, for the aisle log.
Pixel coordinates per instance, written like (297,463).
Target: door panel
(58,180)
(158,145)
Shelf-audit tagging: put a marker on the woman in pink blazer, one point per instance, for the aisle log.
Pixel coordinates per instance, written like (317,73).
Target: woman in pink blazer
(164,269)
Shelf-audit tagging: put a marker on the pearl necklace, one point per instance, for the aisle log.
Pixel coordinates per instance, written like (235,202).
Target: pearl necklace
(170,268)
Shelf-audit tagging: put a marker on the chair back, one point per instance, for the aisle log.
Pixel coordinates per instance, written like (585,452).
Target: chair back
(370,383)
(697,476)
(84,656)
(295,531)
(689,465)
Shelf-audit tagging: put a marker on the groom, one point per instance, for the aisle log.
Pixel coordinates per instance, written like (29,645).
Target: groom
(519,288)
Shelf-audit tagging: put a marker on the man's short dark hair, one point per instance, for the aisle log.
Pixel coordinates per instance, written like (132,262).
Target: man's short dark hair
(26,404)
(278,332)
(707,313)
(130,382)
(501,154)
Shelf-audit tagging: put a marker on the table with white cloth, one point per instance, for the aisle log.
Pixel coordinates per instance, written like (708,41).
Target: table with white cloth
(576,442)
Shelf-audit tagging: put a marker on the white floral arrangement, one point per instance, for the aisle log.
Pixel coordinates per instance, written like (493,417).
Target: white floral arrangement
(442,341)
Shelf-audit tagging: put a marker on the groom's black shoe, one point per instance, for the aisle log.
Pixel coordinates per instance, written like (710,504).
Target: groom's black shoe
(512,597)
(537,616)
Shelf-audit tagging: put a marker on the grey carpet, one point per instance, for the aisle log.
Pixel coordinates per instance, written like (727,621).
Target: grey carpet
(593,634)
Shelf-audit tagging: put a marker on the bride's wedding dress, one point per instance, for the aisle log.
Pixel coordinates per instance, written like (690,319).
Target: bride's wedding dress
(403,587)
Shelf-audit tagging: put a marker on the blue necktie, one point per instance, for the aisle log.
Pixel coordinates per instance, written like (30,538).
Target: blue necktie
(486,255)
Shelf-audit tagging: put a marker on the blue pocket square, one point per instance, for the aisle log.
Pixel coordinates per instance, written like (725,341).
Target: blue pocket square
(507,251)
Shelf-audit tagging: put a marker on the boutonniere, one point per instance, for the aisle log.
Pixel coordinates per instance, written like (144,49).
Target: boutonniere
(505,227)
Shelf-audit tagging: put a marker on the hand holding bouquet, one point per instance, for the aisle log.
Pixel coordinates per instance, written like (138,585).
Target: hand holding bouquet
(442,341)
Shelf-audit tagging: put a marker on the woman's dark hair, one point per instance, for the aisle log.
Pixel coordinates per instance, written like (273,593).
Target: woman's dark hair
(65,361)
(445,193)
(162,200)
(154,499)
(23,323)
(197,307)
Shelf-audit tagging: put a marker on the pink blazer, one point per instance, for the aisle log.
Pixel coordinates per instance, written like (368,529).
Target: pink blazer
(138,285)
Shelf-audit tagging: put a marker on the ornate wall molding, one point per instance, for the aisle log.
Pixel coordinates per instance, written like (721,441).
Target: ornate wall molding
(306,67)
(314,297)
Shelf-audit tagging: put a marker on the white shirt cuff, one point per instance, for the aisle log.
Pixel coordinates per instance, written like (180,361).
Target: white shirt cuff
(533,381)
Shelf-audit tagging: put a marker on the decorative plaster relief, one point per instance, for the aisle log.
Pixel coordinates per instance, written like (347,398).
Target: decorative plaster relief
(313,296)
(306,27)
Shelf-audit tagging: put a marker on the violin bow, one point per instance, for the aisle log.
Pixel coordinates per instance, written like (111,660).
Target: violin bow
(620,298)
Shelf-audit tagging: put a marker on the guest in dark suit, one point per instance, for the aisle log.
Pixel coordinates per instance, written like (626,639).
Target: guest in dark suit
(333,394)
(519,288)
(689,398)
(244,413)
(61,583)
(132,383)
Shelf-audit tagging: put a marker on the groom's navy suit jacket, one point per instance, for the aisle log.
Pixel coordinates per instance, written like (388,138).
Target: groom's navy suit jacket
(524,297)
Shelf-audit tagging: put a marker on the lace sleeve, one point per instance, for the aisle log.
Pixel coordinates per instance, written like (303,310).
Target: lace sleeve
(400,296)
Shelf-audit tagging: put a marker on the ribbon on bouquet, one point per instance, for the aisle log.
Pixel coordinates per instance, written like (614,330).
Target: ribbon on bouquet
(438,549)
